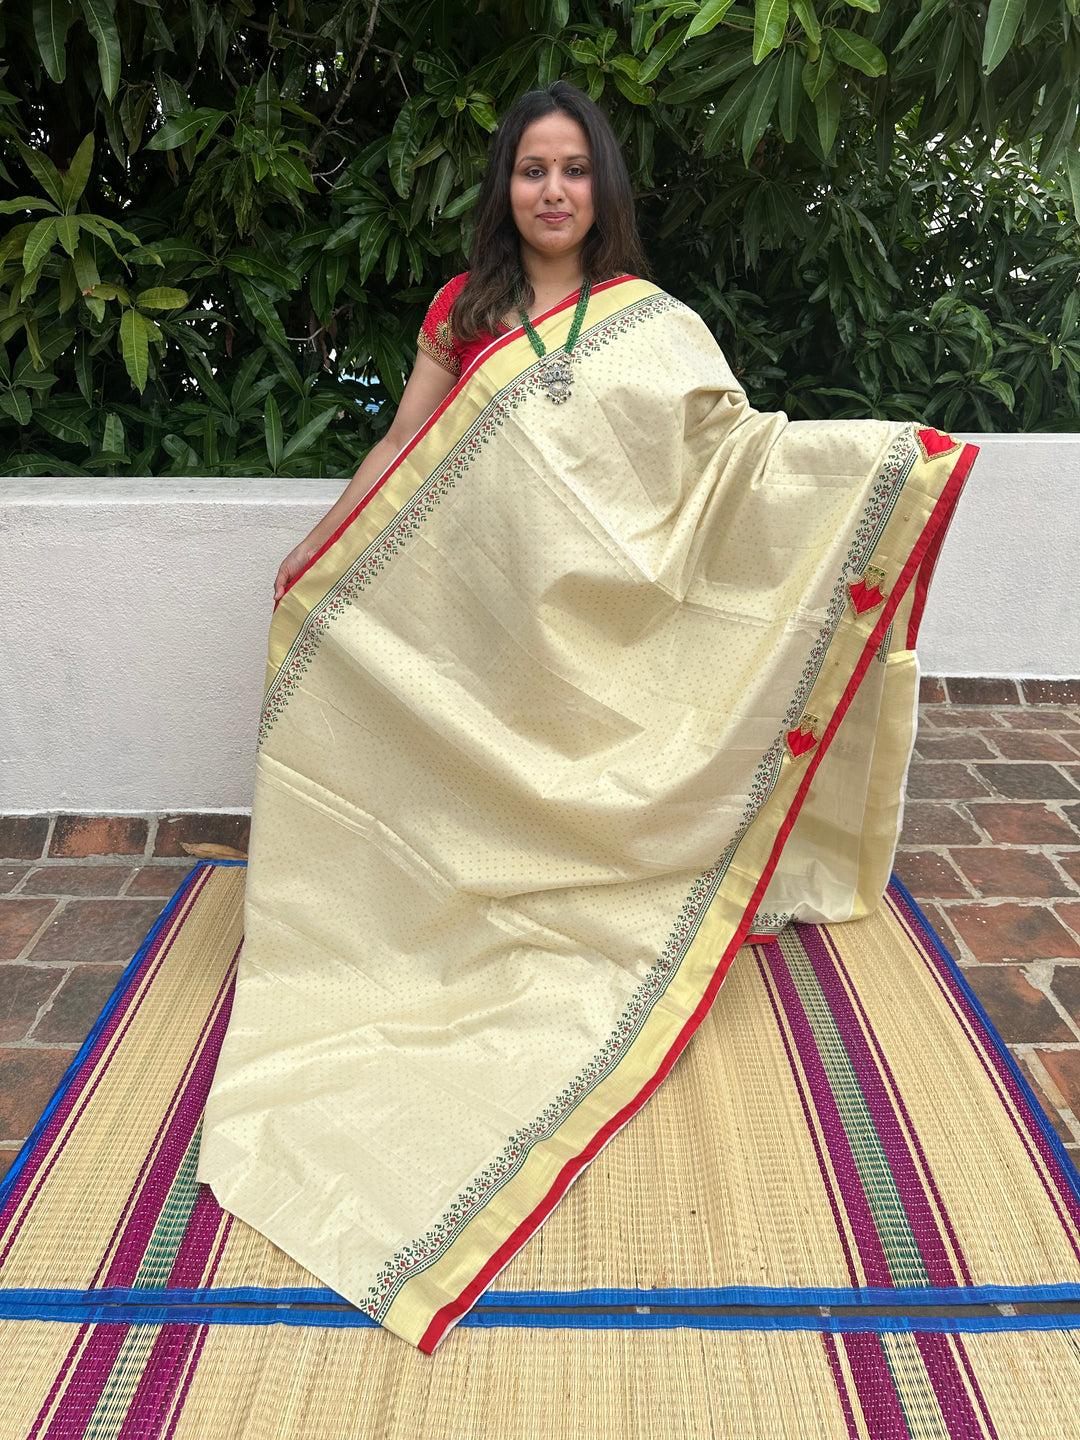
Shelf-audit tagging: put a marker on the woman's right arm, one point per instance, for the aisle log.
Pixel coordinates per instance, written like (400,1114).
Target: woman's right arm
(428,386)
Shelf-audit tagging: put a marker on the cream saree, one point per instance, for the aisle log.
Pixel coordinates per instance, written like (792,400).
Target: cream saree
(579,698)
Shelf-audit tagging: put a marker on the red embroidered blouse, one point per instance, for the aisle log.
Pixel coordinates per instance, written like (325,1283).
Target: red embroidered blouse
(436,336)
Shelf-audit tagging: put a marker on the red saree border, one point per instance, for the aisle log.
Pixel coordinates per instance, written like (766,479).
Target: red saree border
(924,550)
(930,559)
(437,414)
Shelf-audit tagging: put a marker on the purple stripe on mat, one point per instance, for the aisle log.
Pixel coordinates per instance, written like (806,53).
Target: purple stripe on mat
(189,1267)
(82,1391)
(163,1375)
(189,1376)
(874,1385)
(829,1342)
(884,1114)
(1062,1196)
(863,1224)
(57,1385)
(901,1105)
(202,1238)
(811,1129)
(961,1419)
(74,1098)
(151,1190)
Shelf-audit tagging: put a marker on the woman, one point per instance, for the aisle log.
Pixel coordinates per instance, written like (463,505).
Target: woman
(535,225)
(552,727)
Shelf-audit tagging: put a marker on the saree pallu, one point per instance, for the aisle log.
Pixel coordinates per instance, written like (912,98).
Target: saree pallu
(579,698)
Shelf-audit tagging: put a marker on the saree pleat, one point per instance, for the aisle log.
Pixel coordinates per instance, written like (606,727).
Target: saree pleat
(537,752)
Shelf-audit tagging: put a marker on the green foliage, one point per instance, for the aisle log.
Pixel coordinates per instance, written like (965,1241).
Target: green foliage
(222,222)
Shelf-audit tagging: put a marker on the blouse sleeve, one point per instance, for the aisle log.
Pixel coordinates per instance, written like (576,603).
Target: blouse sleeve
(436,337)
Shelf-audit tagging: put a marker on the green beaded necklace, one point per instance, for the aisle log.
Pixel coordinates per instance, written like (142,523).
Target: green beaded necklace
(557,375)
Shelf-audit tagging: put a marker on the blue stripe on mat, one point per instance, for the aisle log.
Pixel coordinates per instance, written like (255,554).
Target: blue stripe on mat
(113,1001)
(215,1298)
(538,1320)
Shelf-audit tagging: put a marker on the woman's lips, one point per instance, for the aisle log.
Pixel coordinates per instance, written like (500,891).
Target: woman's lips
(555,217)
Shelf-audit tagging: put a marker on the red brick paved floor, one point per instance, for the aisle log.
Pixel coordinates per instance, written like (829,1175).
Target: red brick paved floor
(990,849)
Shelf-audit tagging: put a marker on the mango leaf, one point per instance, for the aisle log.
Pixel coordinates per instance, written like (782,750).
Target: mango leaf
(816,77)
(52,19)
(661,53)
(854,50)
(78,173)
(25,202)
(1072,178)
(17,404)
(98,15)
(311,431)
(770,22)
(735,101)
(85,267)
(101,225)
(169,250)
(210,445)
(38,243)
(708,17)
(1002,18)
(67,232)
(296,174)
(161,297)
(761,106)
(807,18)
(135,346)
(929,13)
(636,93)
(44,172)
(28,370)
(181,452)
(180,129)
(69,289)
(827,106)
(84,369)
(442,185)
(262,309)
(242,263)
(109,291)
(549,58)
(791,92)
(58,424)
(465,201)
(272,432)
(113,440)
(483,112)
(405,142)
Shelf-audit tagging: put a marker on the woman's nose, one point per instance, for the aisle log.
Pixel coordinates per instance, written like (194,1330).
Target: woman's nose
(553,189)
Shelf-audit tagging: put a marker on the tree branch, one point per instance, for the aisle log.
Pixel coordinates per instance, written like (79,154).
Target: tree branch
(347,91)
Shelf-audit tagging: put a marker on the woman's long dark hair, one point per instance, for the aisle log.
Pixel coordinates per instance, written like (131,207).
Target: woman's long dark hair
(611,247)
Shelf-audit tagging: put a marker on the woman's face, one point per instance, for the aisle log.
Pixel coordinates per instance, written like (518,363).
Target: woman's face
(551,187)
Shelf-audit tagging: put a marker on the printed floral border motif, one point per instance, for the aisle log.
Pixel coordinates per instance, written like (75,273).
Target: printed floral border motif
(423,503)
(770,922)
(414,1258)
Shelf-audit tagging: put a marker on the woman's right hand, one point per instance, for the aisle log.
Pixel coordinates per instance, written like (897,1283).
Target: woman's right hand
(427,387)
(291,566)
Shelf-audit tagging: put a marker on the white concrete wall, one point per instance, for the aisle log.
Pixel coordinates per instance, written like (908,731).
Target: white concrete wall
(135,615)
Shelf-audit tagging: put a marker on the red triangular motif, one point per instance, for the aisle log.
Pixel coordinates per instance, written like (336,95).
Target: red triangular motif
(800,742)
(864,598)
(933,443)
